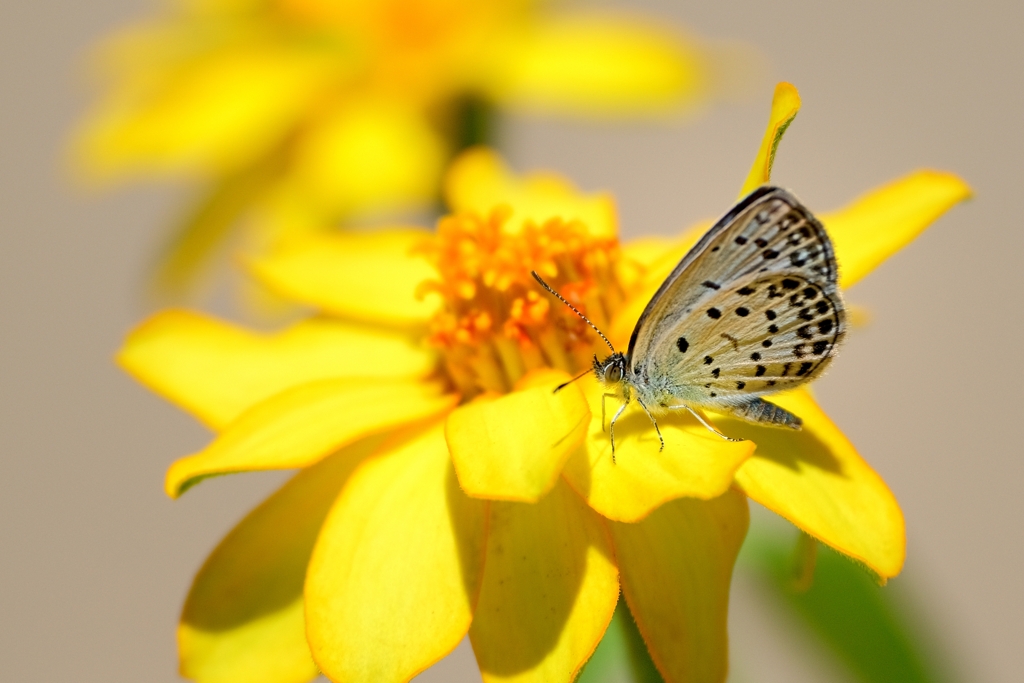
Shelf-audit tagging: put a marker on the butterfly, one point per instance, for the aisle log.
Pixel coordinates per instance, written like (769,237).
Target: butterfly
(752,309)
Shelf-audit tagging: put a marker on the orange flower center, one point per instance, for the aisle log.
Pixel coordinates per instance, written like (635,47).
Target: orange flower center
(498,323)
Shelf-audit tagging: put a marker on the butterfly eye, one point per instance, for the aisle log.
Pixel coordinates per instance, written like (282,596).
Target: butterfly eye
(613,374)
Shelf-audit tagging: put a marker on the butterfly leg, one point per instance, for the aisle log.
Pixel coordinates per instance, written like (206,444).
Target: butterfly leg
(703,420)
(655,423)
(611,428)
(603,397)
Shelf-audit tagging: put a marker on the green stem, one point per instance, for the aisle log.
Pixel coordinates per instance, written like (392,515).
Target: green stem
(621,655)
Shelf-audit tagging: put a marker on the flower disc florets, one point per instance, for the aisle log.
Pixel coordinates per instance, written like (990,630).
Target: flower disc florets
(497,324)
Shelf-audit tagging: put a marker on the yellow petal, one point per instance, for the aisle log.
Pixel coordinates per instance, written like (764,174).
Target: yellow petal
(186,258)
(676,567)
(397,567)
(208,115)
(883,221)
(600,65)
(695,462)
(815,479)
(244,619)
(478,180)
(657,264)
(785,106)
(370,276)
(299,426)
(646,251)
(369,156)
(549,589)
(513,447)
(216,370)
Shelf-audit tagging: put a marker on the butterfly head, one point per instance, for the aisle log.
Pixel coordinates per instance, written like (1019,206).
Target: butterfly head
(612,370)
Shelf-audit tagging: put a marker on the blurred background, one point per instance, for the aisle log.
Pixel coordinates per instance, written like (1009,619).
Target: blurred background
(96,561)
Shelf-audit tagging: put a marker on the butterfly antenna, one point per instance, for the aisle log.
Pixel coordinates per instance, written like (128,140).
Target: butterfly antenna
(574,309)
(563,385)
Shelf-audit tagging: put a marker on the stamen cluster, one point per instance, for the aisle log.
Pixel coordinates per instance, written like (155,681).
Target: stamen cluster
(497,323)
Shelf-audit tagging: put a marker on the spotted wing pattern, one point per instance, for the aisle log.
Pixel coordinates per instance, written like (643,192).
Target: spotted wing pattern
(752,309)
(768,232)
(766,334)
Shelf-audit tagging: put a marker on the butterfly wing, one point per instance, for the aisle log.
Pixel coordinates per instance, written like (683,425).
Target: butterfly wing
(762,334)
(752,309)
(768,232)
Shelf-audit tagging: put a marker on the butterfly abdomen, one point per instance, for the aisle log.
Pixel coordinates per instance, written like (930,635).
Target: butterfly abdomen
(759,411)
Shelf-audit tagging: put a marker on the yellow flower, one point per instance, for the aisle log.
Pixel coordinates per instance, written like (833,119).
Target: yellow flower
(445,490)
(304,112)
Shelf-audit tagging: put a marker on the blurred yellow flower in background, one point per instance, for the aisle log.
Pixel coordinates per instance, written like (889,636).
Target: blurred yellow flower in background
(300,114)
(445,490)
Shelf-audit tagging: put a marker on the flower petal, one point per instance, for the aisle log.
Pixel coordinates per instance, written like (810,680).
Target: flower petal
(298,427)
(513,447)
(397,567)
(371,155)
(600,65)
(694,463)
(370,276)
(216,370)
(883,221)
(244,617)
(549,589)
(676,569)
(815,479)
(657,266)
(785,105)
(478,181)
(208,115)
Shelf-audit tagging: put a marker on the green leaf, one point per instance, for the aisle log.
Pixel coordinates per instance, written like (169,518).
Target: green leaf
(868,628)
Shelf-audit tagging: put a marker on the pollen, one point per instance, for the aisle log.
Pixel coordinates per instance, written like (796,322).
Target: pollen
(497,324)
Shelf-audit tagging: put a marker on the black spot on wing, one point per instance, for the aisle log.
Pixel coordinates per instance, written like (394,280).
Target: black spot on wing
(714,313)
(682,344)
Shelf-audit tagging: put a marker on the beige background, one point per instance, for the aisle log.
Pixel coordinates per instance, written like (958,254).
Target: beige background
(94,560)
